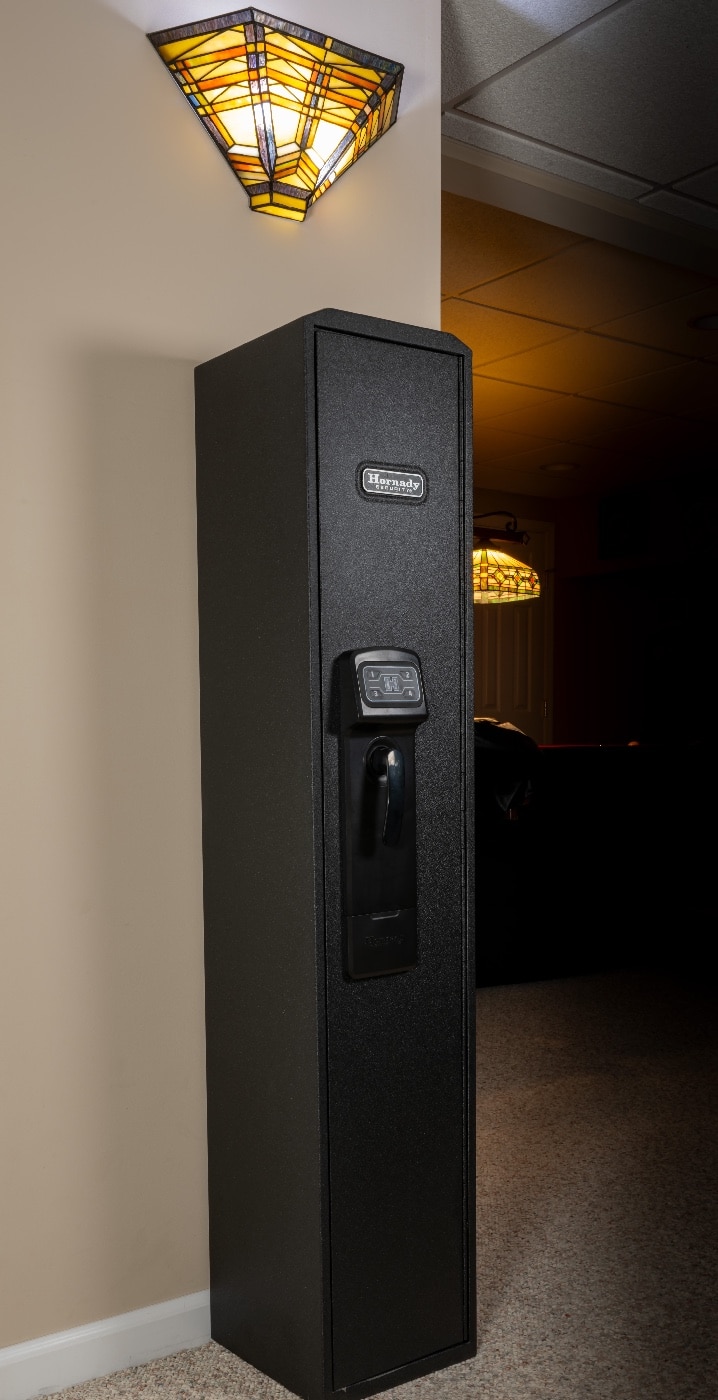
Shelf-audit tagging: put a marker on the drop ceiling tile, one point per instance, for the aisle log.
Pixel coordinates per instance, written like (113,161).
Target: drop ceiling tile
(480,242)
(491,334)
(681,208)
(659,437)
(540,455)
(596,471)
(631,90)
(667,327)
(586,421)
(592,469)
(491,444)
(689,390)
(588,284)
(703,186)
(530,483)
(493,398)
(471,52)
(579,362)
(527,151)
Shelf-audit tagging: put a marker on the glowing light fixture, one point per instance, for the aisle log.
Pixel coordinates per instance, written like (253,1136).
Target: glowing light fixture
(290,109)
(498,577)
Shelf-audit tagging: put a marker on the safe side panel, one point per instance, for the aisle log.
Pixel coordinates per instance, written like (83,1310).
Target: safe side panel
(398,1127)
(259,780)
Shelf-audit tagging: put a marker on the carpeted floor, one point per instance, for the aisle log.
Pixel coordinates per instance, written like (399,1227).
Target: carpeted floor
(597,1221)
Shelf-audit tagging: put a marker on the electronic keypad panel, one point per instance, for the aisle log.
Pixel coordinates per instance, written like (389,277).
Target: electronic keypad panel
(388,686)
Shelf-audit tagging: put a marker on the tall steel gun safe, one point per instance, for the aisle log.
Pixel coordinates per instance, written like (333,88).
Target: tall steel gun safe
(334,544)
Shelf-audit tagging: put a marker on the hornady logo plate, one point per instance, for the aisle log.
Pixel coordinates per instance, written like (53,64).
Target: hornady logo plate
(402,483)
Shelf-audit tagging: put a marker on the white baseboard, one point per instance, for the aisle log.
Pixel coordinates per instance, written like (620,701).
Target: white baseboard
(48,1364)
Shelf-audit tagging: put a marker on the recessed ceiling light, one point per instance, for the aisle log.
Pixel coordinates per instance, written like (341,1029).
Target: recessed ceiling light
(705,323)
(557,467)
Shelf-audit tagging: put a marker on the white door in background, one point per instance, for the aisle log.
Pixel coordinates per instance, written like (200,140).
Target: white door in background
(513,647)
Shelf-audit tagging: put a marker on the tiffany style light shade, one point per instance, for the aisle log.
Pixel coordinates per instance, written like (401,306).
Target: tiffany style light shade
(500,579)
(290,109)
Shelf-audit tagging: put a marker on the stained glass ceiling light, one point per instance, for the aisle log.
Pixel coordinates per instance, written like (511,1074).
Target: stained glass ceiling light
(290,109)
(498,577)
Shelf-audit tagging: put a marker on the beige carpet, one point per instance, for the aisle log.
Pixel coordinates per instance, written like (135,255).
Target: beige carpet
(597,1223)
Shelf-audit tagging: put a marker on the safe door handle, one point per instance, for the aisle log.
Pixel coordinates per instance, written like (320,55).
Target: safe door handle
(388,764)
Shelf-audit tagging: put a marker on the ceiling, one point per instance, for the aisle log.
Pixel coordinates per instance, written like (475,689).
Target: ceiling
(580,237)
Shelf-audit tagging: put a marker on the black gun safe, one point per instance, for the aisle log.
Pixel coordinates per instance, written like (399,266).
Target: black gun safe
(334,502)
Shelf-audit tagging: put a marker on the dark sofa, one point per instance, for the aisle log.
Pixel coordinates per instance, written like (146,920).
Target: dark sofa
(589,857)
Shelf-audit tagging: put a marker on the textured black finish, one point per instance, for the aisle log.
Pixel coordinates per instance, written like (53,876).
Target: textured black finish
(340,1112)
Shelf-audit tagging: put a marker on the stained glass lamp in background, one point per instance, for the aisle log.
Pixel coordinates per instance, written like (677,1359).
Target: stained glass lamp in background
(498,577)
(290,109)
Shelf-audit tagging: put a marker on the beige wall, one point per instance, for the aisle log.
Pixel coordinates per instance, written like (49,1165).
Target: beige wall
(130,254)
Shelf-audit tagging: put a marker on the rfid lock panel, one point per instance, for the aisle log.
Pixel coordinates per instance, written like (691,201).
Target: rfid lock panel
(396,1035)
(382,702)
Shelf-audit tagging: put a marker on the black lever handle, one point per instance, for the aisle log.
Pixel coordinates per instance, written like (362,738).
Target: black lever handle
(388,763)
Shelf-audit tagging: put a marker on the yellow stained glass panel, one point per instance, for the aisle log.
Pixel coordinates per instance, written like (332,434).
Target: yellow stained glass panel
(286,43)
(498,578)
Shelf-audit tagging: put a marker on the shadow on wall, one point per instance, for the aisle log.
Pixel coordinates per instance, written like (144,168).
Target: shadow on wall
(146,1067)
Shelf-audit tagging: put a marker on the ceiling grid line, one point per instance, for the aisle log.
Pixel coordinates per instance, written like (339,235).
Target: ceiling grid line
(542,145)
(457,102)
